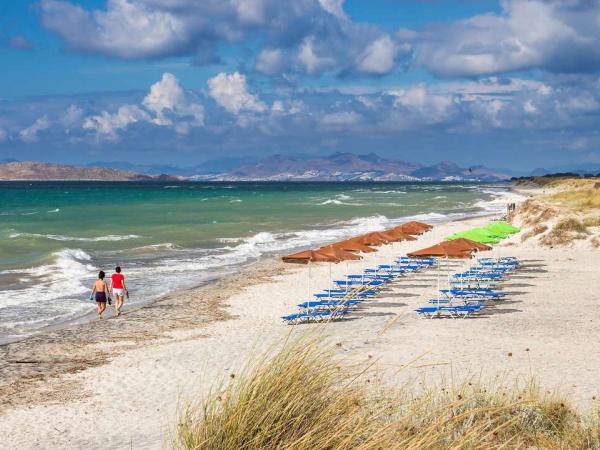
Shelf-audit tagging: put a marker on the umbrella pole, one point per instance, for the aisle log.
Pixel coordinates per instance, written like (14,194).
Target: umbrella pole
(329,287)
(308,284)
(438,278)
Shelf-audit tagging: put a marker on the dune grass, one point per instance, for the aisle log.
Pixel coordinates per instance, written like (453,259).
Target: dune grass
(303,399)
(565,232)
(576,193)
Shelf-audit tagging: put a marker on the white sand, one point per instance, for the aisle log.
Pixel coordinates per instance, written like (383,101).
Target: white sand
(550,324)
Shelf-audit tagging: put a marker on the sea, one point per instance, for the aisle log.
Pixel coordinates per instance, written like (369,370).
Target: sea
(56,236)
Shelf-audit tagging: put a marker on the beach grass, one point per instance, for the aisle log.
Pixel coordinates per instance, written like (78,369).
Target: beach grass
(582,194)
(302,398)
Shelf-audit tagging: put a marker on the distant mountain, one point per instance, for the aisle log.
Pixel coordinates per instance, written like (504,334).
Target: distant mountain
(351,167)
(211,166)
(47,172)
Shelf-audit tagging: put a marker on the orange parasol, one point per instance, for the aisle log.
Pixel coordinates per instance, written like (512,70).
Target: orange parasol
(338,253)
(399,235)
(374,238)
(444,250)
(352,245)
(418,225)
(468,244)
(409,229)
(307,256)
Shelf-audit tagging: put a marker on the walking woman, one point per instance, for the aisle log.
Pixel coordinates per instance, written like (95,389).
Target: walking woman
(100,293)
(117,287)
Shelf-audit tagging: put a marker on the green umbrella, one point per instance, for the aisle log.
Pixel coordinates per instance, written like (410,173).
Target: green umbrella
(476,234)
(502,227)
(497,232)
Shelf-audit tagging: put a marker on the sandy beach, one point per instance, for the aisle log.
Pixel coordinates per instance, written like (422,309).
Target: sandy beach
(119,383)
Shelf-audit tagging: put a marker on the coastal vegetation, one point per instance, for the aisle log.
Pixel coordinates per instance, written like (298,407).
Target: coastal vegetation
(565,212)
(303,398)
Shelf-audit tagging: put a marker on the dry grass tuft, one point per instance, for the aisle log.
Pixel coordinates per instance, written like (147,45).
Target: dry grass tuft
(301,399)
(569,225)
(565,232)
(537,230)
(592,221)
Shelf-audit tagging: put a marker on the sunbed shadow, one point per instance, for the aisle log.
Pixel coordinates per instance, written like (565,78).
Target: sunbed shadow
(512,285)
(505,302)
(388,304)
(516,292)
(531,260)
(505,311)
(533,271)
(409,286)
(521,277)
(373,314)
(402,294)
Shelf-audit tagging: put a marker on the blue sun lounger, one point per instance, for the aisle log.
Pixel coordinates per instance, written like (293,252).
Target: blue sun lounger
(454,312)
(472,293)
(329,305)
(315,316)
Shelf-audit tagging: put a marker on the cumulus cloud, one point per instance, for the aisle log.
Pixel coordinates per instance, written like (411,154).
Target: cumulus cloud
(553,35)
(231,92)
(72,117)
(127,29)
(30,134)
(313,36)
(270,61)
(165,105)
(167,97)
(310,60)
(378,58)
(106,124)
(341,118)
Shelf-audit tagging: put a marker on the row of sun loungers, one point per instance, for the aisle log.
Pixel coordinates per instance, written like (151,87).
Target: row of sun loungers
(353,290)
(471,291)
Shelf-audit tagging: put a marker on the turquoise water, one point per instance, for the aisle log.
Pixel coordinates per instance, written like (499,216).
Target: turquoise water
(54,237)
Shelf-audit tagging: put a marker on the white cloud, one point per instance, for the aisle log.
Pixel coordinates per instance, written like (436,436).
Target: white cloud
(106,124)
(529,107)
(71,117)
(553,35)
(334,7)
(230,91)
(341,118)
(29,134)
(378,58)
(270,61)
(432,107)
(309,60)
(127,28)
(3,135)
(251,11)
(166,104)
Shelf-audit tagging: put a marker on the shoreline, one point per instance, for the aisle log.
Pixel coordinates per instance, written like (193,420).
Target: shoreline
(80,331)
(205,336)
(223,272)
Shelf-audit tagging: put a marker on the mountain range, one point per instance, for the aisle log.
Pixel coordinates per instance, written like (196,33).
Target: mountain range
(351,167)
(335,167)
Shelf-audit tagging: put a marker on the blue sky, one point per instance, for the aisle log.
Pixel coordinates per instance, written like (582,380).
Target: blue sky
(512,83)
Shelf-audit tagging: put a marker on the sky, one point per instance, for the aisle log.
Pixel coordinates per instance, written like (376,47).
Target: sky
(510,83)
